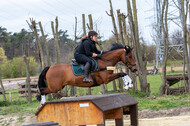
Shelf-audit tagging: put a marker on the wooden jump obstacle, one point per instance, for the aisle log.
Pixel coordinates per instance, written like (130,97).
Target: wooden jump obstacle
(173,79)
(33,87)
(90,110)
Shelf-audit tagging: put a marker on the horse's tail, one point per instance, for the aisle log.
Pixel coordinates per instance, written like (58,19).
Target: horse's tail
(41,82)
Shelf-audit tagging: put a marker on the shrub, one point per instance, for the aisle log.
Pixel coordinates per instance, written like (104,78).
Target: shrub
(17,67)
(5,69)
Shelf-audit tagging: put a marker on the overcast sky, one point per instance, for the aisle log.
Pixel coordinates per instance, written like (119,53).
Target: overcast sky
(14,13)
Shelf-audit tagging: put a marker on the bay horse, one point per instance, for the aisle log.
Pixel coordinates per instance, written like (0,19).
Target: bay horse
(56,77)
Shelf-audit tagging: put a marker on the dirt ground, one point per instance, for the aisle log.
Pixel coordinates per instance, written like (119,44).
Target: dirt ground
(172,117)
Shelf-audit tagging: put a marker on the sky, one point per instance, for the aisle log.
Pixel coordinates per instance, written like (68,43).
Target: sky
(14,13)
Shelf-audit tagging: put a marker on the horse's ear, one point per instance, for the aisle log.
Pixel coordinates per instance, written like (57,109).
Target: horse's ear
(126,47)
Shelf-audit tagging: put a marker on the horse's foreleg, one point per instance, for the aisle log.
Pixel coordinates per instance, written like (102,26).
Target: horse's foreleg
(115,76)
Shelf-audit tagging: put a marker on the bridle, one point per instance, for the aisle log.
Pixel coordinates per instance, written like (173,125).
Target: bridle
(128,64)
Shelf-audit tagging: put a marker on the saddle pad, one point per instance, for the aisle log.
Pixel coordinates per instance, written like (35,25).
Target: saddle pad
(78,71)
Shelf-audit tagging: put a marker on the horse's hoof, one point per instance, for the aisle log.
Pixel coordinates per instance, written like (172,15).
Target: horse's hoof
(39,107)
(122,74)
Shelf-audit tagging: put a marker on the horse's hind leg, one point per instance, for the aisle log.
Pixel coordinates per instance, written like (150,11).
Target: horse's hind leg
(44,92)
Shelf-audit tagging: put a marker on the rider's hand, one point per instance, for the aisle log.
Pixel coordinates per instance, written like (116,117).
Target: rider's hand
(94,55)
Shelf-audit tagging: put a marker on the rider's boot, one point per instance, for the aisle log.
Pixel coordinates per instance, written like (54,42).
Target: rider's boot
(86,73)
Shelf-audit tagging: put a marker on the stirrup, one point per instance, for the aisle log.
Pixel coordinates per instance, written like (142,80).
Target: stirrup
(87,79)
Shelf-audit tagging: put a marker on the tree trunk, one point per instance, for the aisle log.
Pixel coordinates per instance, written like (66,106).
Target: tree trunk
(90,21)
(113,22)
(57,47)
(2,87)
(27,86)
(73,88)
(165,31)
(137,48)
(125,30)
(184,21)
(39,47)
(120,26)
(45,43)
(83,24)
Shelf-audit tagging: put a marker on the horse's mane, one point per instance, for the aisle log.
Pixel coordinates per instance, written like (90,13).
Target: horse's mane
(116,46)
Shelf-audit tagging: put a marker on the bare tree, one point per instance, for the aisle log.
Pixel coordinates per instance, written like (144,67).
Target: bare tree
(166,42)
(184,26)
(45,43)
(39,47)
(55,34)
(27,86)
(113,21)
(83,24)
(73,88)
(141,65)
(119,16)
(2,87)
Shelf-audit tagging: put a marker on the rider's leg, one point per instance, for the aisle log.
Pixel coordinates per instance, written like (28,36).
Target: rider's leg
(86,72)
(83,59)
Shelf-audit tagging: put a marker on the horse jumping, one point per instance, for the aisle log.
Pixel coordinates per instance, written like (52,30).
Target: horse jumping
(56,77)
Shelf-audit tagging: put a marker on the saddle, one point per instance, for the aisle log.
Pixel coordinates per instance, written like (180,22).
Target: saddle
(78,69)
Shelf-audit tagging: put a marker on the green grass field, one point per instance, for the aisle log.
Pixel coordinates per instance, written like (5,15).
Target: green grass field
(153,102)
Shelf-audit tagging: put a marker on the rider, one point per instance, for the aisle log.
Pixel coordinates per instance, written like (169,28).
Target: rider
(86,50)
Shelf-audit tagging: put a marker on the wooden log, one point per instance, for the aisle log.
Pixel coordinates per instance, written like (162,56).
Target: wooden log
(50,123)
(31,83)
(178,90)
(24,95)
(172,79)
(24,89)
(176,77)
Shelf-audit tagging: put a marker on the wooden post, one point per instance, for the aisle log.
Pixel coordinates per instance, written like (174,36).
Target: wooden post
(134,115)
(10,97)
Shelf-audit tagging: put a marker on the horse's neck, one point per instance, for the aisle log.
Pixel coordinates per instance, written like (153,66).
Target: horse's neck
(112,58)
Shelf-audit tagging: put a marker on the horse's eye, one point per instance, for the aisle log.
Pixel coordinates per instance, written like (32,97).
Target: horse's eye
(130,56)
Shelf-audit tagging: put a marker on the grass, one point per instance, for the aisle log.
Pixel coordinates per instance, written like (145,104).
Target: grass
(154,102)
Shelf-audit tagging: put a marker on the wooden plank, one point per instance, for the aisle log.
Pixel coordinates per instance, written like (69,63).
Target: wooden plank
(71,113)
(24,89)
(134,115)
(113,114)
